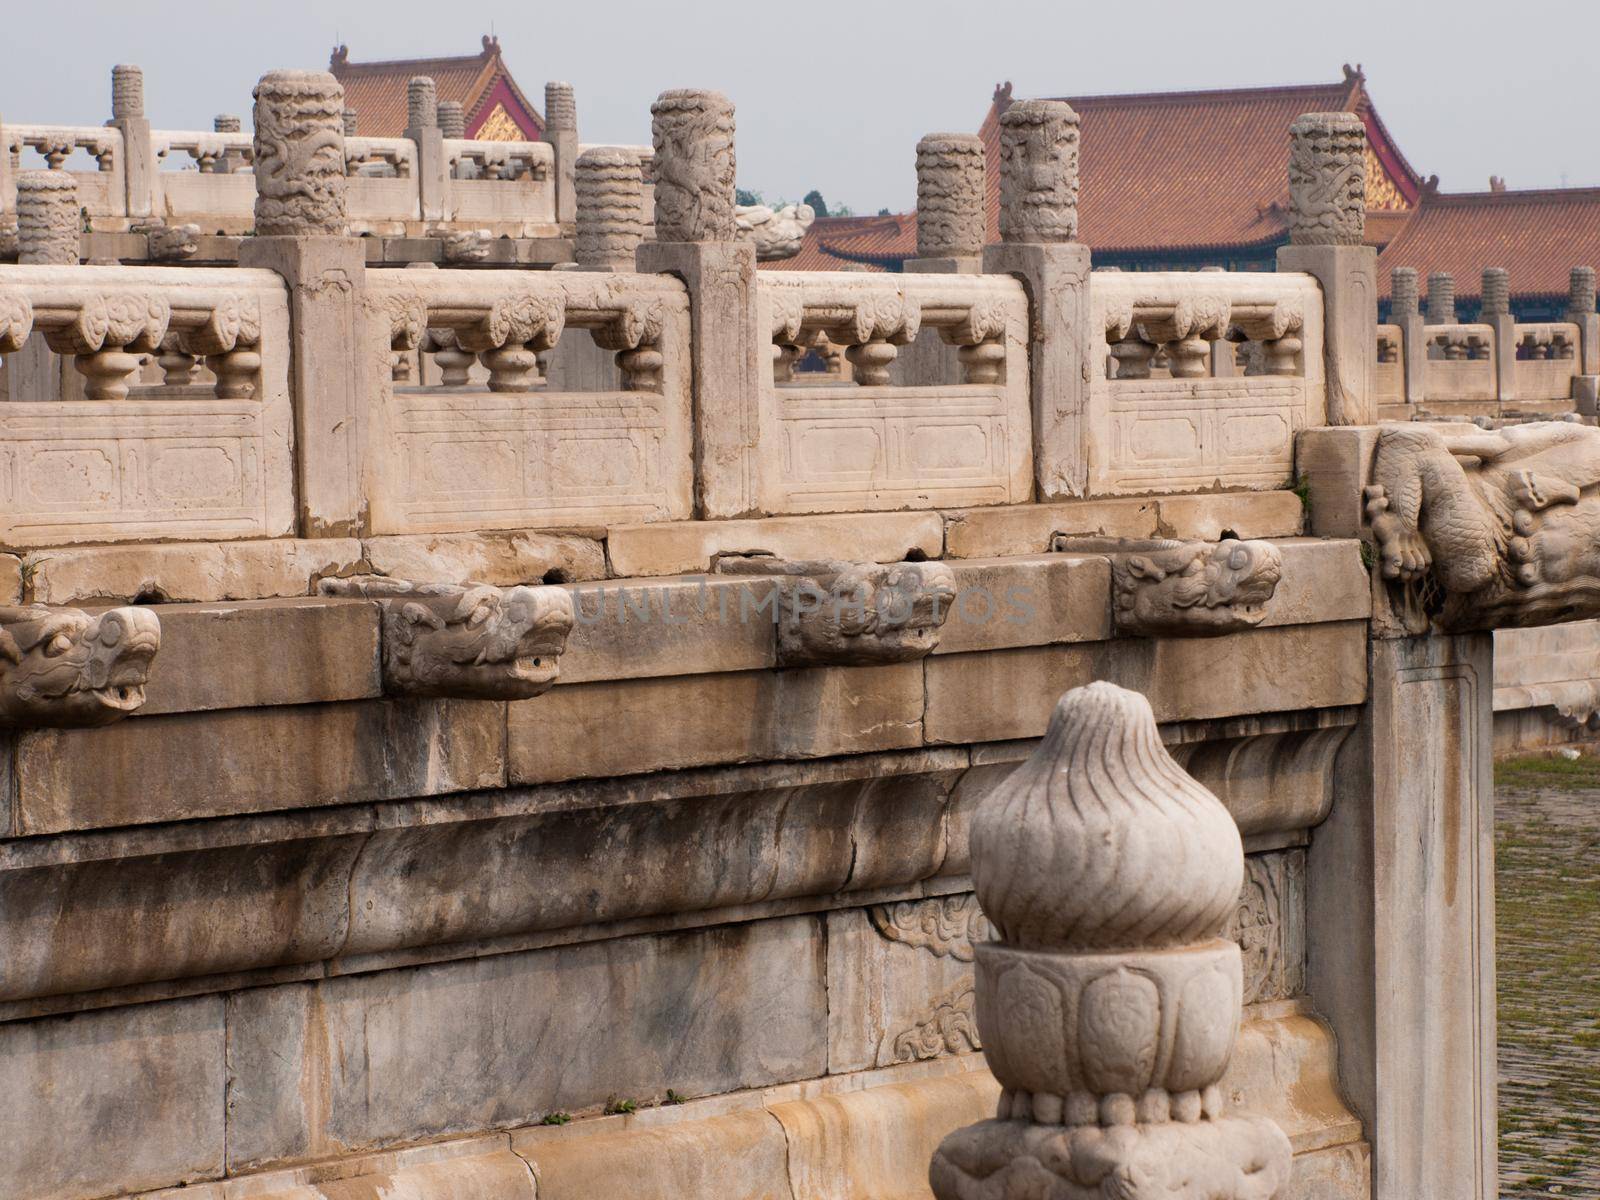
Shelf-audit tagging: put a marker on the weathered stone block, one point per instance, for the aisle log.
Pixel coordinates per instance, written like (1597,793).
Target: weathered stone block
(741,1156)
(107,1102)
(184,766)
(111,922)
(900,981)
(662,724)
(198,571)
(1004,602)
(503,559)
(636,629)
(1028,528)
(258,653)
(1010,693)
(466,881)
(681,548)
(360,1061)
(873,1142)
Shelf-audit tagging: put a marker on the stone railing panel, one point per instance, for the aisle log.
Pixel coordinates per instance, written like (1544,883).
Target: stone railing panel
(102,191)
(507,187)
(476,439)
(869,445)
(1461,363)
(1173,407)
(1547,361)
(382,194)
(1390,375)
(134,462)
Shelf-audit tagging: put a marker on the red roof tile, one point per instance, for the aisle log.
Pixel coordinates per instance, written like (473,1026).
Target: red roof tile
(1538,235)
(816,252)
(377,90)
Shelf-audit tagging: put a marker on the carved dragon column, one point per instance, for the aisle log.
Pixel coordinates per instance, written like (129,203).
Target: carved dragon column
(1038,230)
(1581,312)
(1327,221)
(302,234)
(1495,312)
(697,240)
(422,128)
(561,131)
(1109,1001)
(952,219)
(138,152)
(1404,312)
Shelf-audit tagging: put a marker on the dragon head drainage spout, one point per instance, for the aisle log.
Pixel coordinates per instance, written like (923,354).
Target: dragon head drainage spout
(66,667)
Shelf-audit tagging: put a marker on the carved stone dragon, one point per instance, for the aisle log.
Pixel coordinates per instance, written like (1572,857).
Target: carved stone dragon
(1164,588)
(1480,529)
(843,613)
(64,667)
(470,641)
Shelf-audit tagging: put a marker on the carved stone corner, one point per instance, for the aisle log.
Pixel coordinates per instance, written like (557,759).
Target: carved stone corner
(65,668)
(1165,588)
(467,641)
(854,614)
(1481,529)
(1108,1004)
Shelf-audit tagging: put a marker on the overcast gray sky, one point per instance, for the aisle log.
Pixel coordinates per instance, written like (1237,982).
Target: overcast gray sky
(835,96)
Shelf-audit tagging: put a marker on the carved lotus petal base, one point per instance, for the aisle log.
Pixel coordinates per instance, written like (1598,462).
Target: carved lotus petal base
(1115,1024)
(1234,1158)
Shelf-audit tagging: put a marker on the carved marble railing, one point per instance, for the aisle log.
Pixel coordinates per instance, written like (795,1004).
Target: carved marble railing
(100,191)
(134,460)
(1461,362)
(205,178)
(1174,406)
(1390,375)
(1547,361)
(472,437)
(872,445)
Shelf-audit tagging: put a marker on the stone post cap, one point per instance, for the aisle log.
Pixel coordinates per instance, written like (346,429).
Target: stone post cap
(1496,292)
(1403,292)
(693,134)
(950,143)
(422,103)
(1039,172)
(560,106)
(226,123)
(299,155)
(48,218)
(348,119)
(1100,840)
(127,91)
(951,212)
(1327,179)
(610,156)
(46,181)
(452,119)
(1580,290)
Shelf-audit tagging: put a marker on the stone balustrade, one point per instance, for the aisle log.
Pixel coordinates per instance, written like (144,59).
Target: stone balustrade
(481,785)
(204,177)
(1434,365)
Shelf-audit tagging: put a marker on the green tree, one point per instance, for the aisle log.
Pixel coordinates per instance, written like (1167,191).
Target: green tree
(817,203)
(746,197)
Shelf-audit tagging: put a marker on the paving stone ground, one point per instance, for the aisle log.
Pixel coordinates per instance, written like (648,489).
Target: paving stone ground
(1547,835)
